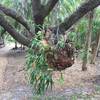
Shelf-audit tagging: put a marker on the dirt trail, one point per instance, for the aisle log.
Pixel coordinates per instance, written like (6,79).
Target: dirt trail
(3,63)
(13,84)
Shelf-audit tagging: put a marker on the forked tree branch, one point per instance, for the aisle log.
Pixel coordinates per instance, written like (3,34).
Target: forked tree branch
(48,8)
(17,36)
(16,16)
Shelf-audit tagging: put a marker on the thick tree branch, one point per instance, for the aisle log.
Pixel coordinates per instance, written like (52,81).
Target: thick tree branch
(77,15)
(48,8)
(36,6)
(38,19)
(16,16)
(19,37)
(37,11)
(43,11)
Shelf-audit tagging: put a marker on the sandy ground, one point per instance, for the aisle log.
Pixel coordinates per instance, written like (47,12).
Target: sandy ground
(3,63)
(13,84)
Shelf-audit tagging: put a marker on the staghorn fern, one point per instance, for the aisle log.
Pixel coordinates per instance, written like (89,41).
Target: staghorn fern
(40,75)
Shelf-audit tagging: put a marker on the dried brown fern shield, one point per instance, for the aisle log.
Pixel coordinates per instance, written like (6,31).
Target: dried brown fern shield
(60,58)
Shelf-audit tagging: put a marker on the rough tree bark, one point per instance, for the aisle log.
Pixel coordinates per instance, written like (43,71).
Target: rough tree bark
(88,41)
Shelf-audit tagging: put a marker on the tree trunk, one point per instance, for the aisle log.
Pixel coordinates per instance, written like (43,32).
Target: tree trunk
(16,44)
(95,50)
(38,23)
(88,42)
(2,37)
